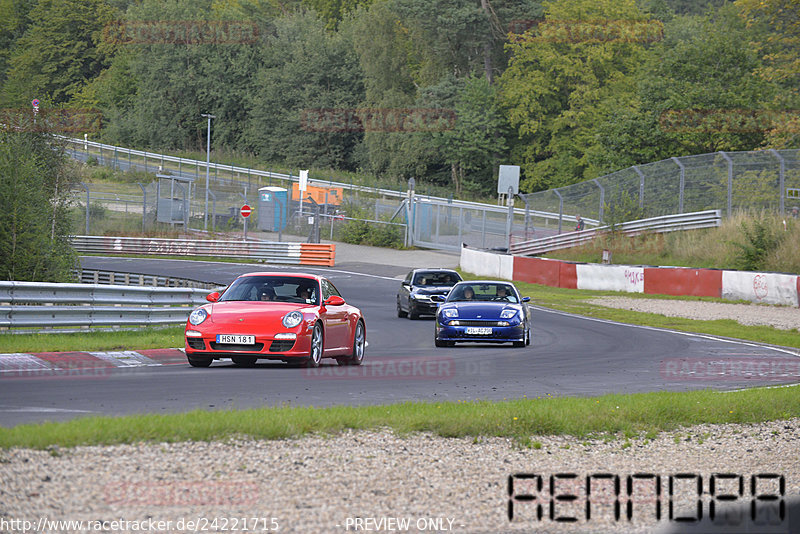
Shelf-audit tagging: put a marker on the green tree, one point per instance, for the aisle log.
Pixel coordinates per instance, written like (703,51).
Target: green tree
(13,22)
(776,39)
(558,78)
(694,93)
(34,194)
(58,52)
(333,11)
(473,146)
(308,82)
(157,87)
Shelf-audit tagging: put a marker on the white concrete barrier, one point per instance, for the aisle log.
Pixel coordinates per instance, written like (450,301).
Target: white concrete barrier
(487,264)
(769,288)
(610,277)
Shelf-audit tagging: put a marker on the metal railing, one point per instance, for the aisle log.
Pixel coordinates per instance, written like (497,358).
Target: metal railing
(95,276)
(48,305)
(668,223)
(285,253)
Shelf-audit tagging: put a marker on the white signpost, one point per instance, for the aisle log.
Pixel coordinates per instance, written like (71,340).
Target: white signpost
(302,186)
(508,177)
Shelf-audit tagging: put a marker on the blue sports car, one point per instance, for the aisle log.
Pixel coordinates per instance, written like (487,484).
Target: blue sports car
(483,312)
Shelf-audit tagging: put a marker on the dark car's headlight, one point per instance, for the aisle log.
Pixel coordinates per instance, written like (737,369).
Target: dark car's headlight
(292,319)
(508,314)
(198,316)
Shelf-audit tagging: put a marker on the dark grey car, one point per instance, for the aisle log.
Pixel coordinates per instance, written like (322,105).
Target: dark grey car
(414,295)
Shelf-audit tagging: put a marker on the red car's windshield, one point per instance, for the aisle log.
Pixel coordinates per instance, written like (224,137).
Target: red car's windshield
(273,289)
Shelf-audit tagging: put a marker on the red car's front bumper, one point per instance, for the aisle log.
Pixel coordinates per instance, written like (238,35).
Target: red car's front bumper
(266,346)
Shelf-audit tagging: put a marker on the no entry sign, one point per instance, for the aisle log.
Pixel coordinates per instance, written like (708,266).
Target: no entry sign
(246,211)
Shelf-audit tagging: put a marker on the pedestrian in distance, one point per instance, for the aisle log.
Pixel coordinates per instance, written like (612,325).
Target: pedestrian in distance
(580,224)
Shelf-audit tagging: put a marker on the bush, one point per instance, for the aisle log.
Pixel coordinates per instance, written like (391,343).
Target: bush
(761,240)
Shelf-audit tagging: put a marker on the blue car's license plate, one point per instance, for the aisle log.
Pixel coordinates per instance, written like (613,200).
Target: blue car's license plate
(479,330)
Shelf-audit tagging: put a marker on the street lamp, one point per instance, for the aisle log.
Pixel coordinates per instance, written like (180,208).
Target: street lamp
(208,163)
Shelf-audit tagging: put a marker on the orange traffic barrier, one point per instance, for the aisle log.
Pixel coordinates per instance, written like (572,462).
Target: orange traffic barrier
(317,254)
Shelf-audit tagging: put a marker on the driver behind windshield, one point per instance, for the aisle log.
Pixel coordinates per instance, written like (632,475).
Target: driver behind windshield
(266,294)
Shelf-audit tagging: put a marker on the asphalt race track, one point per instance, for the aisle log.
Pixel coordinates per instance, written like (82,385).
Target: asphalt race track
(569,355)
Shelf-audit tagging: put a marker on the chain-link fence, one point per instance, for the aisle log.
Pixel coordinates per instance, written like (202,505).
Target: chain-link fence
(730,181)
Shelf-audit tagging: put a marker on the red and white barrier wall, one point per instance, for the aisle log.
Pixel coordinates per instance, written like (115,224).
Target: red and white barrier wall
(767,288)
(488,264)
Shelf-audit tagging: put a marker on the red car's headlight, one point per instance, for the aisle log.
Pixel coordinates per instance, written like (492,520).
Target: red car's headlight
(198,316)
(292,319)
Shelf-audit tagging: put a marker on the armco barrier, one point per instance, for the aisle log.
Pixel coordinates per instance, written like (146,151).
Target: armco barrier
(767,288)
(666,223)
(97,276)
(270,252)
(47,305)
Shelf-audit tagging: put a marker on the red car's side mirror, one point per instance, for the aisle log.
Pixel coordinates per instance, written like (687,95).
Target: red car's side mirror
(213,297)
(334,300)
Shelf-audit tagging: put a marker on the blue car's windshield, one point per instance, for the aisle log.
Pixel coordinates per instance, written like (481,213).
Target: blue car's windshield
(273,289)
(497,292)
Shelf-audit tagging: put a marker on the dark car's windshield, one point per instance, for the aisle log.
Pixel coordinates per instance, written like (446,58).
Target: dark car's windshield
(273,289)
(498,292)
(436,278)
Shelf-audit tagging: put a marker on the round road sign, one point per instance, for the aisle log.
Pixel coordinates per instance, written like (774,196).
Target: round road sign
(246,211)
(35,102)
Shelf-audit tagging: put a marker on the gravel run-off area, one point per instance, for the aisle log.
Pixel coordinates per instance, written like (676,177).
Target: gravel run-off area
(323,484)
(783,317)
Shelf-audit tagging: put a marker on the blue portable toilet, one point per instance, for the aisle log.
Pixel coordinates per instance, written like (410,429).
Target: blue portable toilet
(272,208)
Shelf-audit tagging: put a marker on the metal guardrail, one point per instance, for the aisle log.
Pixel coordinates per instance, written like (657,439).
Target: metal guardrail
(48,305)
(94,276)
(667,223)
(270,252)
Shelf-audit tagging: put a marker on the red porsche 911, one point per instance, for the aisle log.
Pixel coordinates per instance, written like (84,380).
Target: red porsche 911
(297,318)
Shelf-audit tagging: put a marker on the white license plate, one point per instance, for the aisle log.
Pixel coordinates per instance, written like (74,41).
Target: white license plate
(479,330)
(236,339)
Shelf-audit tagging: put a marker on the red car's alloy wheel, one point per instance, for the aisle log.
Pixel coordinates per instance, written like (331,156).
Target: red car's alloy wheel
(359,346)
(315,354)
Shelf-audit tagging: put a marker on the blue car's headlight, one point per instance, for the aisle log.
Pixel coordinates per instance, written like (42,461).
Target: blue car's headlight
(508,314)
(292,319)
(450,313)
(198,316)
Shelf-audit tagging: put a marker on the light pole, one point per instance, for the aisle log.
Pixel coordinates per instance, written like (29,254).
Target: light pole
(208,163)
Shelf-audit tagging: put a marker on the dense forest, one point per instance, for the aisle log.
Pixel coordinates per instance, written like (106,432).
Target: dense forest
(441,90)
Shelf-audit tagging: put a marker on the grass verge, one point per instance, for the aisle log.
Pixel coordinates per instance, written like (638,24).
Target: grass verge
(620,415)
(146,338)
